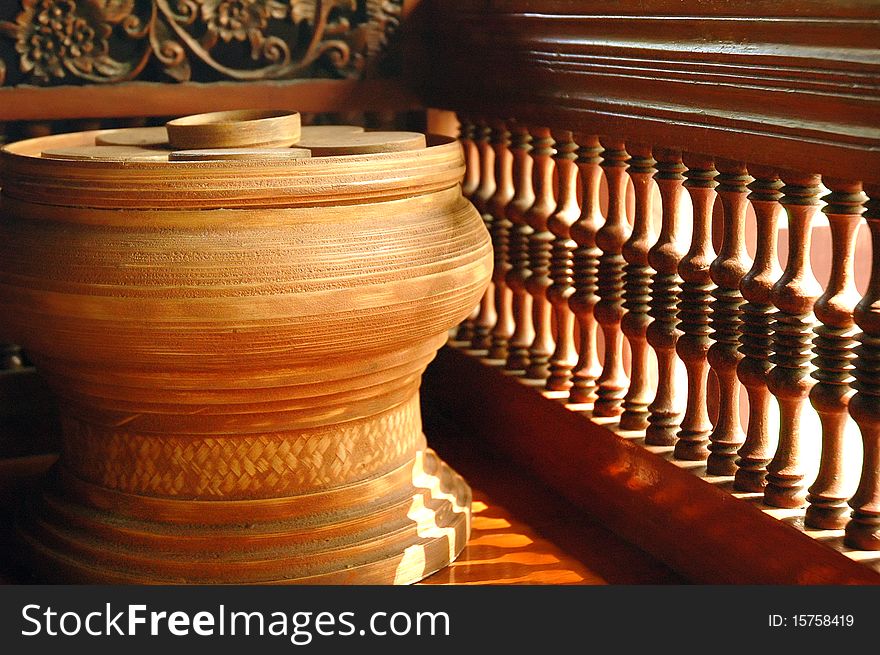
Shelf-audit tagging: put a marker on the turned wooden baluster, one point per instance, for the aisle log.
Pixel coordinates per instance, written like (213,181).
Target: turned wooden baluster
(863,529)
(487,316)
(727,272)
(565,355)
(471,180)
(518,248)
(612,383)
(789,380)
(636,289)
(10,357)
(694,310)
(500,233)
(469,184)
(833,346)
(663,333)
(585,272)
(756,332)
(539,254)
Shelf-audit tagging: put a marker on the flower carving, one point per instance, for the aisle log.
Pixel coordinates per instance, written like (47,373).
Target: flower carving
(54,37)
(303,10)
(239,20)
(234,19)
(115,40)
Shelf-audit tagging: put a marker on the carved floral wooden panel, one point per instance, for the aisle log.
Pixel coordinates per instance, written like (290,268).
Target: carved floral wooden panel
(48,42)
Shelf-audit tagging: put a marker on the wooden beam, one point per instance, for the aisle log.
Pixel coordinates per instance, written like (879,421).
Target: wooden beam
(135,99)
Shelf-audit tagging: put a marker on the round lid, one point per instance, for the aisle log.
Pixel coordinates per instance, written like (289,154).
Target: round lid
(310,132)
(144,137)
(245,128)
(147,168)
(359,143)
(106,153)
(239,154)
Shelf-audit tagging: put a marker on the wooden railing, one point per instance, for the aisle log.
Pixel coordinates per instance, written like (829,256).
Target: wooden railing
(587,129)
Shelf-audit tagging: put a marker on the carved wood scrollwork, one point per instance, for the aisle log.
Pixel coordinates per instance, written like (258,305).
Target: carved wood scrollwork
(101,41)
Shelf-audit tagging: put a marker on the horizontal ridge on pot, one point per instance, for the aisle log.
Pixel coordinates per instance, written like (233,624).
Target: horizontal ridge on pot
(311,181)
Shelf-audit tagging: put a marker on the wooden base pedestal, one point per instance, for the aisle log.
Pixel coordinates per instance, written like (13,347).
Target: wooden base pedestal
(408,524)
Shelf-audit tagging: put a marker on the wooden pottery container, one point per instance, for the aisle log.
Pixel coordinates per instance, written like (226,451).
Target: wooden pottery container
(237,347)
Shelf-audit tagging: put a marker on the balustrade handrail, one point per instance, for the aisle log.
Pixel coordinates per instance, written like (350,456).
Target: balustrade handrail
(793,85)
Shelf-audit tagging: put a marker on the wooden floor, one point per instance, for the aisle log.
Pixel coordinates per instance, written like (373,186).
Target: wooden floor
(521,533)
(524,534)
